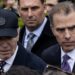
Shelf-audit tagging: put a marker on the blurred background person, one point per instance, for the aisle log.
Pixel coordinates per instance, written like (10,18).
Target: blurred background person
(49,4)
(10,5)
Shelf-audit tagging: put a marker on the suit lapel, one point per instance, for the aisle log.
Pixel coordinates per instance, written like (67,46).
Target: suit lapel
(22,56)
(58,56)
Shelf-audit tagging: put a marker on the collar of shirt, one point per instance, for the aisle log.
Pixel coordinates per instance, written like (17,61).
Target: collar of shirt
(70,61)
(10,61)
(71,54)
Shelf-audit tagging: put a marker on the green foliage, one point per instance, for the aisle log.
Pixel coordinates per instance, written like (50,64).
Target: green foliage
(20,22)
(1,3)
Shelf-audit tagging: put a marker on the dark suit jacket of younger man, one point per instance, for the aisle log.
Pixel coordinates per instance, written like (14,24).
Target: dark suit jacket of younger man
(28,59)
(52,56)
(45,40)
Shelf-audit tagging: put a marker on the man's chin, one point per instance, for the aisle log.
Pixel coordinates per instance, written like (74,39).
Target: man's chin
(68,49)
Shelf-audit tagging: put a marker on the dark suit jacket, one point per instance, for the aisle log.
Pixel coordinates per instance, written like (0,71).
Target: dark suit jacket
(45,40)
(28,59)
(52,56)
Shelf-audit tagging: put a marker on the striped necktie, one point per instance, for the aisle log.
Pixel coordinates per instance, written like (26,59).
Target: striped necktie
(30,42)
(2,63)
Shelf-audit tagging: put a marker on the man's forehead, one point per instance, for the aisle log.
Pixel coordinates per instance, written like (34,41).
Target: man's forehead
(64,20)
(64,17)
(65,26)
(64,13)
(30,3)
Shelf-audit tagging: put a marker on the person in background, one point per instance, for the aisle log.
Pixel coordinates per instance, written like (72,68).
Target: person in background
(49,4)
(11,5)
(62,54)
(36,23)
(11,51)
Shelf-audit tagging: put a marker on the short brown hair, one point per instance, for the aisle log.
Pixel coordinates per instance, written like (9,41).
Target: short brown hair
(64,8)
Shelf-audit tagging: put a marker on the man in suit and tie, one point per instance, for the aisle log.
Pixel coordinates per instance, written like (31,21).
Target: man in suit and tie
(63,26)
(11,52)
(32,13)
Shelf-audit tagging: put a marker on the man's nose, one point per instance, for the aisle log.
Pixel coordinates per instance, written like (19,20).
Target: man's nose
(67,34)
(30,12)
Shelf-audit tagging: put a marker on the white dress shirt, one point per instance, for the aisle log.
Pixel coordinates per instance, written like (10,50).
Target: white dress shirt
(37,33)
(9,61)
(71,55)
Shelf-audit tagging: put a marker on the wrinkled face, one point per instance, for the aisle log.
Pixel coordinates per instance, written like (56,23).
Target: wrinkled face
(64,30)
(32,13)
(50,4)
(7,46)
